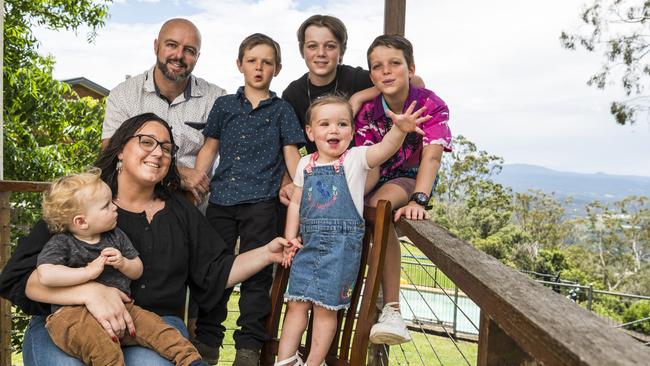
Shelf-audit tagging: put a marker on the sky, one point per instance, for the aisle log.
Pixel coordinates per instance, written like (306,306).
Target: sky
(510,86)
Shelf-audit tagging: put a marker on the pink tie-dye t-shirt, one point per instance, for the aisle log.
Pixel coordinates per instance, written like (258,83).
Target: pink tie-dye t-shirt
(372,125)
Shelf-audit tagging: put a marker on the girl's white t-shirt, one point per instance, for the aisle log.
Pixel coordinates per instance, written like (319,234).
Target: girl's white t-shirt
(356,169)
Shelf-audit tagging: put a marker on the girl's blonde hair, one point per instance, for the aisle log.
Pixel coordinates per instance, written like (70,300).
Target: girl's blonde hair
(325,100)
(66,196)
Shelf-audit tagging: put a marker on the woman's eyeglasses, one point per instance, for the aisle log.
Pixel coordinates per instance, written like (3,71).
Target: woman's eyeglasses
(149,144)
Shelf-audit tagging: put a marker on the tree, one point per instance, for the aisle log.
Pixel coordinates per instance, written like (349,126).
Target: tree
(542,217)
(620,29)
(48,131)
(463,168)
(471,205)
(619,238)
(635,229)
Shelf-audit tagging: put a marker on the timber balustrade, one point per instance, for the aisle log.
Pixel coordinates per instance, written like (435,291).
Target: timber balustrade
(6,187)
(522,322)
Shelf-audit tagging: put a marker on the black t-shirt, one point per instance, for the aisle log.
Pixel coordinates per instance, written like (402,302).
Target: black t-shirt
(66,250)
(300,93)
(178,248)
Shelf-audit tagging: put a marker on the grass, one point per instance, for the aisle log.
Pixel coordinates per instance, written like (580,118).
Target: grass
(425,347)
(420,271)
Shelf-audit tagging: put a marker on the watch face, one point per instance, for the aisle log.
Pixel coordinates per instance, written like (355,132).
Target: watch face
(420,198)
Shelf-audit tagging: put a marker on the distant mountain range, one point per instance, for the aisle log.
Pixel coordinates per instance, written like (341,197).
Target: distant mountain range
(584,188)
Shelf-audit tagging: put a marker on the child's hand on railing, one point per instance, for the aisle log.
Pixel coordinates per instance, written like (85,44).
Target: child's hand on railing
(412,211)
(409,120)
(290,251)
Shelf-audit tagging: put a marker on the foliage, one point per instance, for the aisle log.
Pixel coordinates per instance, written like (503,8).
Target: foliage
(468,202)
(463,167)
(618,237)
(608,306)
(608,248)
(638,310)
(542,217)
(48,130)
(620,30)
(503,244)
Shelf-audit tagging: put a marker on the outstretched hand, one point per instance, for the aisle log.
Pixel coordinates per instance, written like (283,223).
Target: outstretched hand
(409,120)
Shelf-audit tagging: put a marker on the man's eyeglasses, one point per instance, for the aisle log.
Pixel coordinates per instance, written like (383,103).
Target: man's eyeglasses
(149,144)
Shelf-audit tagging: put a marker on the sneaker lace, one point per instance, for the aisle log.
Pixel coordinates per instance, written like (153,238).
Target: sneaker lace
(389,312)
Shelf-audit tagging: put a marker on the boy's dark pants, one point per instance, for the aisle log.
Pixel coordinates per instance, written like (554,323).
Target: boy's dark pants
(255,224)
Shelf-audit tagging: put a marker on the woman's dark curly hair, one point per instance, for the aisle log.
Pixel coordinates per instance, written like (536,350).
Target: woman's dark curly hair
(107,160)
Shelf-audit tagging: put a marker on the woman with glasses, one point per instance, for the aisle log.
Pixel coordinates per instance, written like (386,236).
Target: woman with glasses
(176,244)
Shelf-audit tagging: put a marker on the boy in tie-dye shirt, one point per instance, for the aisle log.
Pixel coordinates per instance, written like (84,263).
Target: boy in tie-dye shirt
(408,177)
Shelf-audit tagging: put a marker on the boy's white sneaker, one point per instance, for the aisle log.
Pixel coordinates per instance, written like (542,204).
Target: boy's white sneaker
(390,328)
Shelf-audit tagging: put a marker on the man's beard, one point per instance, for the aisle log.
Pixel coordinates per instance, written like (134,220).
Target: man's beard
(162,66)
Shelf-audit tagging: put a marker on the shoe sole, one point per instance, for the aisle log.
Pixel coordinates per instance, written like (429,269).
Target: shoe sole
(390,339)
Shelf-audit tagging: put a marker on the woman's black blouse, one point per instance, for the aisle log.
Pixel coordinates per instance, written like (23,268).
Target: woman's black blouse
(178,248)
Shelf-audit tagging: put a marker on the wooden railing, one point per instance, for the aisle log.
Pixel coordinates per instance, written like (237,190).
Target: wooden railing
(6,187)
(522,322)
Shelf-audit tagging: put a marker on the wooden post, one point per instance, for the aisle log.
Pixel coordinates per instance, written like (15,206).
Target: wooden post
(394,16)
(495,347)
(5,306)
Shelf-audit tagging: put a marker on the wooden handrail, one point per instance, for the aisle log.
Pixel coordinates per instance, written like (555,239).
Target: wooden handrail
(516,312)
(22,186)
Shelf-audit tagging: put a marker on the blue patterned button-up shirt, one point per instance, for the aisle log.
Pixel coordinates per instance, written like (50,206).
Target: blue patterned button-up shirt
(251,162)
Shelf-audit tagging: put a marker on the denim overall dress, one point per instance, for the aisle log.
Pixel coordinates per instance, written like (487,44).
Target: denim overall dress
(324,271)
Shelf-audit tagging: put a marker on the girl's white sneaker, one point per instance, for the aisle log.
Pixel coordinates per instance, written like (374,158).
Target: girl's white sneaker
(288,361)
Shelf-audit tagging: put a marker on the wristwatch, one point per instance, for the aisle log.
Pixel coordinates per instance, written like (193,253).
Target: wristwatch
(421,199)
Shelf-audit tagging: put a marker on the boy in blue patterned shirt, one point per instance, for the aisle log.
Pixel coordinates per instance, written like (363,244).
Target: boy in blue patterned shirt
(255,133)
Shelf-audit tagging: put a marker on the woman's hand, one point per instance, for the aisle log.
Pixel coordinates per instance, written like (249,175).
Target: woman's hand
(412,211)
(106,304)
(290,251)
(276,249)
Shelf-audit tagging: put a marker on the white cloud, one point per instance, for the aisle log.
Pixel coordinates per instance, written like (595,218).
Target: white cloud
(510,85)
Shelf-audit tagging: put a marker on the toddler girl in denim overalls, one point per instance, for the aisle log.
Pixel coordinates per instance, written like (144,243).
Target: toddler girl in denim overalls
(327,207)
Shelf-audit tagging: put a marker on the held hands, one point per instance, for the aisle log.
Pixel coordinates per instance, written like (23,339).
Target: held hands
(96,267)
(290,251)
(409,120)
(286,191)
(113,258)
(412,211)
(276,248)
(195,182)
